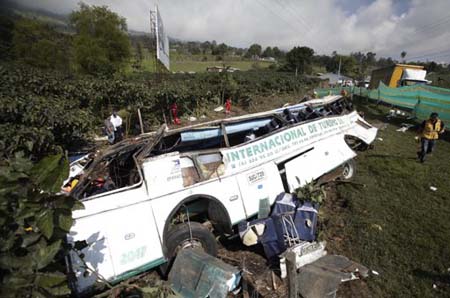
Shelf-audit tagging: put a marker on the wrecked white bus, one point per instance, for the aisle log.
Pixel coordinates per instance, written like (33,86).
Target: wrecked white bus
(147,198)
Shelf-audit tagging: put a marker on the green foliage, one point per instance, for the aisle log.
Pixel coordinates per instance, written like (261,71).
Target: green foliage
(39,45)
(6,36)
(268,52)
(348,64)
(311,192)
(299,59)
(101,42)
(40,112)
(254,50)
(33,225)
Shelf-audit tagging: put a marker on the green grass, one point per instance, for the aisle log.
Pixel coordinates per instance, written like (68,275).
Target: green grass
(396,225)
(193,63)
(200,66)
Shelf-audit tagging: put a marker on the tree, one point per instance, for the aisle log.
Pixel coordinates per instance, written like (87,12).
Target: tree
(39,45)
(101,42)
(268,52)
(194,48)
(300,59)
(139,54)
(220,50)
(403,55)
(370,59)
(206,47)
(348,65)
(253,51)
(277,53)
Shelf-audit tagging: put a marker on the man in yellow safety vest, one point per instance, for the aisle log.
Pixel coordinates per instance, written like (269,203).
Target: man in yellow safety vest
(429,132)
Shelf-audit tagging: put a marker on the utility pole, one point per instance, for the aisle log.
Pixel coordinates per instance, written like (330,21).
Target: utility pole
(154,33)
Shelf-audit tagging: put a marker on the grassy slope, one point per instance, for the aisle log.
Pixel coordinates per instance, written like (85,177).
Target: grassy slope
(200,66)
(396,225)
(193,63)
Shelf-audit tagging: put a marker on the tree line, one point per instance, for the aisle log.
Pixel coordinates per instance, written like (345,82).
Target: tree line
(99,44)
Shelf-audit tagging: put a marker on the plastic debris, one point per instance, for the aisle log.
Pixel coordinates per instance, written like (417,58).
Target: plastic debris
(305,253)
(433,188)
(195,274)
(405,127)
(377,227)
(192,118)
(380,139)
(375,273)
(218,109)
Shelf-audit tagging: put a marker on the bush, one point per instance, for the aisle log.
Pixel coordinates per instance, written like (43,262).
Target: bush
(33,226)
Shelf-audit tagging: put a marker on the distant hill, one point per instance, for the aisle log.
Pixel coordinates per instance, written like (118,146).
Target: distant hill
(15,10)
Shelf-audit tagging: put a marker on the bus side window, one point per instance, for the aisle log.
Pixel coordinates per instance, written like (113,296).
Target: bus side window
(211,165)
(188,171)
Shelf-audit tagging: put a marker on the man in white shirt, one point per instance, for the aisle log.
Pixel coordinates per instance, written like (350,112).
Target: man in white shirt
(117,123)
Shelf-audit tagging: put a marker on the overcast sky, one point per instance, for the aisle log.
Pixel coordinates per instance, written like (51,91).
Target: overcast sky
(387,27)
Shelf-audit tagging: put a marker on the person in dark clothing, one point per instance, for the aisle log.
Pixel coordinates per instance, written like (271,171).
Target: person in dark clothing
(429,132)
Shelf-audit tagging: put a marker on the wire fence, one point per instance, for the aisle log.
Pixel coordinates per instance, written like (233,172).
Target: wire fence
(421,99)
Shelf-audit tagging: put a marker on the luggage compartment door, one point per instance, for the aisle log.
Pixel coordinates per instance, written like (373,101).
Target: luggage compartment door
(258,184)
(325,156)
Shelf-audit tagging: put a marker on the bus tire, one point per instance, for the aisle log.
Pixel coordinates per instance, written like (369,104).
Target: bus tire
(348,170)
(178,238)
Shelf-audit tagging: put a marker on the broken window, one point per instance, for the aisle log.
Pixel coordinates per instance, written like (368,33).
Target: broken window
(211,165)
(188,171)
(114,171)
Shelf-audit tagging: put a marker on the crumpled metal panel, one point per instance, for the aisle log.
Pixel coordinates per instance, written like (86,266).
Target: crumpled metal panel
(323,277)
(195,274)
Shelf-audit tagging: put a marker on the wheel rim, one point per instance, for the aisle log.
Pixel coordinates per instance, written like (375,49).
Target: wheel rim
(190,243)
(347,172)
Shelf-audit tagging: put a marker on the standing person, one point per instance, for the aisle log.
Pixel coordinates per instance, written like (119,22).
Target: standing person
(117,123)
(429,132)
(109,130)
(228,106)
(174,111)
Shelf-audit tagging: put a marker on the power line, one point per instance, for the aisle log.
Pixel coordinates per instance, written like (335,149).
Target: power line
(441,21)
(429,55)
(297,17)
(277,15)
(294,8)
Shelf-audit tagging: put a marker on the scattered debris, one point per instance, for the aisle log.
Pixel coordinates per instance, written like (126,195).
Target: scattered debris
(433,188)
(101,139)
(377,227)
(196,274)
(323,277)
(192,118)
(380,139)
(203,117)
(218,109)
(305,253)
(395,113)
(434,286)
(375,273)
(380,125)
(405,127)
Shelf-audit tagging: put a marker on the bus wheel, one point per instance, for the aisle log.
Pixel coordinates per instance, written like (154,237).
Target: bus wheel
(348,170)
(184,236)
